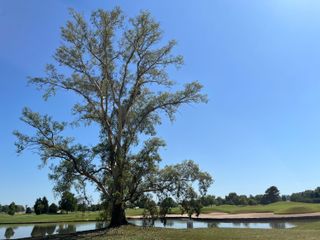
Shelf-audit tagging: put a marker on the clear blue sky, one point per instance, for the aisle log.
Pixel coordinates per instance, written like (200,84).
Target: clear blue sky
(258,60)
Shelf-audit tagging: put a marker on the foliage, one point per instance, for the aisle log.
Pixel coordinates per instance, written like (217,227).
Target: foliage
(165,206)
(118,70)
(208,200)
(271,195)
(308,196)
(45,205)
(41,206)
(12,209)
(53,208)
(151,210)
(28,210)
(68,202)
(191,204)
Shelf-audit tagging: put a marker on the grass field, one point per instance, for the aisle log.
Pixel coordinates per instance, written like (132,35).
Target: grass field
(135,233)
(277,208)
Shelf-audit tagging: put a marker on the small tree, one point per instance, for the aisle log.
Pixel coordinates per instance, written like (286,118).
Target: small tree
(38,206)
(45,205)
(271,195)
(165,206)
(28,210)
(68,202)
(53,208)
(191,204)
(150,211)
(12,209)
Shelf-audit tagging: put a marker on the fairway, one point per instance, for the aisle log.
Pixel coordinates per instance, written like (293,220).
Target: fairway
(135,233)
(276,208)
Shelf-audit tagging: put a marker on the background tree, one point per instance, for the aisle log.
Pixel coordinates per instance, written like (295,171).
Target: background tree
(45,204)
(150,211)
(12,208)
(232,199)
(165,206)
(53,208)
(219,201)
(118,70)
(191,204)
(28,210)
(208,200)
(68,202)
(38,207)
(271,195)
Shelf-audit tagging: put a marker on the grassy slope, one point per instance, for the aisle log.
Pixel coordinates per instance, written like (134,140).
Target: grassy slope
(136,233)
(278,208)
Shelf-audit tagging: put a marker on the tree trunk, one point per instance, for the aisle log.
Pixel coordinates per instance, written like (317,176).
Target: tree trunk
(118,216)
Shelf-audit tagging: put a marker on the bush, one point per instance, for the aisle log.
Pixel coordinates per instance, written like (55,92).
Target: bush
(28,210)
(53,209)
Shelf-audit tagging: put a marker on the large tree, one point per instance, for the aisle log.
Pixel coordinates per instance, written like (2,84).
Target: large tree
(118,69)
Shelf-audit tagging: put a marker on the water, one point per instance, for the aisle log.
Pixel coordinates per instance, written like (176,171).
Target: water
(12,231)
(185,223)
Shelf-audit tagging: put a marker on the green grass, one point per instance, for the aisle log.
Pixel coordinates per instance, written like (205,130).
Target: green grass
(136,233)
(277,208)
(45,218)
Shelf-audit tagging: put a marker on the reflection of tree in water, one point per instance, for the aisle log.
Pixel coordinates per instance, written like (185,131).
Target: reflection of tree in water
(277,225)
(66,228)
(147,222)
(213,224)
(51,229)
(9,233)
(100,225)
(236,224)
(166,222)
(246,224)
(42,230)
(189,224)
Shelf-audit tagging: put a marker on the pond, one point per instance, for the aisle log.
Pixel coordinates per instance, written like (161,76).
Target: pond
(13,231)
(185,223)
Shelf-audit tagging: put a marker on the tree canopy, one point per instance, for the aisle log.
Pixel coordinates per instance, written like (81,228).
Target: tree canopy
(118,69)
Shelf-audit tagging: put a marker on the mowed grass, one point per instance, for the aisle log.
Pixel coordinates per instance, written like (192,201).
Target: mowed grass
(277,208)
(45,218)
(137,233)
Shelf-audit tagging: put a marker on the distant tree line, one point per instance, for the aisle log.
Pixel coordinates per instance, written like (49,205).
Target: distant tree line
(68,203)
(308,196)
(12,208)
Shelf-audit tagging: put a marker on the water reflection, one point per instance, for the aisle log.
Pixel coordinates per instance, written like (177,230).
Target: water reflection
(186,223)
(9,233)
(190,223)
(66,228)
(213,225)
(277,225)
(42,230)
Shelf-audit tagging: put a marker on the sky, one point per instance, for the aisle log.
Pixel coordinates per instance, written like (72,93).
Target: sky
(259,64)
